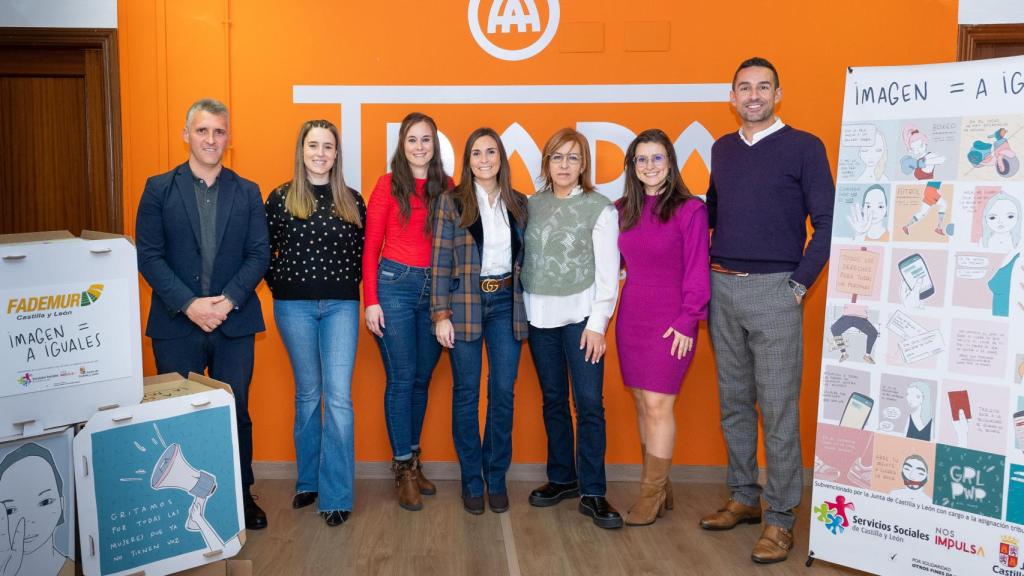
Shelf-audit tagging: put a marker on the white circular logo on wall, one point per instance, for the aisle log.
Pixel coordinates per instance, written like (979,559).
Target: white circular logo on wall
(510,16)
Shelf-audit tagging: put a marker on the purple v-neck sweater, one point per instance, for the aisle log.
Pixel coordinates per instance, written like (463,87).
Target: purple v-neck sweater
(759,199)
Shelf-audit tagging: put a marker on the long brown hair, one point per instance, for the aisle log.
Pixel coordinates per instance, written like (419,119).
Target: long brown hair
(465,192)
(299,200)
(674,190)
(554,143)
(403,184)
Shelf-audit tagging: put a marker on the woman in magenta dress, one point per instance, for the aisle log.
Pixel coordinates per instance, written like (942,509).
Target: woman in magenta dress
(663,239)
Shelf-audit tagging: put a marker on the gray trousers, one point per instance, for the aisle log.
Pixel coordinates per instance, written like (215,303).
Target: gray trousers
(757,333)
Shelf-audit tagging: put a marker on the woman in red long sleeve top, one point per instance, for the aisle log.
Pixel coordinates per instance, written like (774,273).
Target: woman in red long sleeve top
(396,292)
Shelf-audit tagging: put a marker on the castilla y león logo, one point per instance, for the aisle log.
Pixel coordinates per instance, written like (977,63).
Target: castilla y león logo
(833,514)
(515,29)
(55,301)
(1008,552)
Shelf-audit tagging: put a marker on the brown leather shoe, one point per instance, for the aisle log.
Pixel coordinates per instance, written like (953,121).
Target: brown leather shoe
(426,487)
(405,482)
(773,545)
(732,514)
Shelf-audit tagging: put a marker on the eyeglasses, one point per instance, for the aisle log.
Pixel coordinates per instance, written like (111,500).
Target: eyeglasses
(571,158)
(658,160)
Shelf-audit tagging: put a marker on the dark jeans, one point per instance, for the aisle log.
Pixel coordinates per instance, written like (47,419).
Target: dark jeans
(409,351)
(490,460)
(230,361)
(557,355)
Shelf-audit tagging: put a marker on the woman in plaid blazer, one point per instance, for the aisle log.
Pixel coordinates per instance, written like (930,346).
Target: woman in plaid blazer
(476,297)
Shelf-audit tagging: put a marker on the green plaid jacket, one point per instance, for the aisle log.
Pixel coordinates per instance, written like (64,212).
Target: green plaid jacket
(456,272)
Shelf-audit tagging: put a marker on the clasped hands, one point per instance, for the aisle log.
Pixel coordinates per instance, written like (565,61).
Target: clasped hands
(209,312)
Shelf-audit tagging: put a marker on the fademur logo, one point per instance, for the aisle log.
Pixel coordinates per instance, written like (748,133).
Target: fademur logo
(513,17)
(55,301)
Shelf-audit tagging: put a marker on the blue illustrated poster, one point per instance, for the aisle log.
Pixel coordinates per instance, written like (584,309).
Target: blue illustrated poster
(164,488)
(1015,495)
(969,480)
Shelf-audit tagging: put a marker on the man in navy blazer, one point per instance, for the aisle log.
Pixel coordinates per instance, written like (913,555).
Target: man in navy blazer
(201,237)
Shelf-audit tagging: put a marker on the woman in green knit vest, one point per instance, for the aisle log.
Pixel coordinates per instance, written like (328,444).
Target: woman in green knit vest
(570,283)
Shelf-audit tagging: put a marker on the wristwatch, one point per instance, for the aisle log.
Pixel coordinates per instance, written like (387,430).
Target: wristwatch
(799,289)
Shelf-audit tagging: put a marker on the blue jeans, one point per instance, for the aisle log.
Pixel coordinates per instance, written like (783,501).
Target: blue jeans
(409,351)
(490,460)
(320,336)
(557,355)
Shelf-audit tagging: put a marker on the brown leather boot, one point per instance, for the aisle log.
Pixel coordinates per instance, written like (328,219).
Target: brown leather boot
(405,482)
(670,501)
(773,545)
(426,487)
(652,492)
(730,515)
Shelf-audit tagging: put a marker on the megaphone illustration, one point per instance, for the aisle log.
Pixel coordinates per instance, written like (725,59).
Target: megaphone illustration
(173,471)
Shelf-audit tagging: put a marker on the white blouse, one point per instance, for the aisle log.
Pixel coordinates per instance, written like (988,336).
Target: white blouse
(496,253)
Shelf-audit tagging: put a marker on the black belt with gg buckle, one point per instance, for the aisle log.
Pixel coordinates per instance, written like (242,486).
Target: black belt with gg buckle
(488,285)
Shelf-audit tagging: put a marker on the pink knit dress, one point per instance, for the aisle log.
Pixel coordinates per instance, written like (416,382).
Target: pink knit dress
(667,284)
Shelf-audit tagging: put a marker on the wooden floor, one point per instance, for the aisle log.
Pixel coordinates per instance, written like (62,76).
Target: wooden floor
(382,539)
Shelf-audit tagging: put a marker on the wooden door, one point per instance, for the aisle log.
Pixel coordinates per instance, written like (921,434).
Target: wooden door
(982,41)
(60,151)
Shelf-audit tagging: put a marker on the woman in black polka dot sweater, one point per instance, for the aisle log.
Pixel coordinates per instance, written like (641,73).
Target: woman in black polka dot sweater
(316,244)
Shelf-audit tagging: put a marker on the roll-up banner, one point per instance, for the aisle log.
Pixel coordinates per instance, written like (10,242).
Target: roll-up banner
(919,458)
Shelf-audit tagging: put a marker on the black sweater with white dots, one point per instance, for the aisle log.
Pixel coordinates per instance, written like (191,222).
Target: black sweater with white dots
(319,258)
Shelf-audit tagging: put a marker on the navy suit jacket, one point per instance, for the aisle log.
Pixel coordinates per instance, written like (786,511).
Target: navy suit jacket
(167,241)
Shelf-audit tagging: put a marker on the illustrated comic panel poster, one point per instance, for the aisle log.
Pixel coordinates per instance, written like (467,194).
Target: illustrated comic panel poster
(920,441)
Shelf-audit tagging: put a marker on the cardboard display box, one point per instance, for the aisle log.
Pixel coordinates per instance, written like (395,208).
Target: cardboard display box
(69,311)
(37,492)
(159,483)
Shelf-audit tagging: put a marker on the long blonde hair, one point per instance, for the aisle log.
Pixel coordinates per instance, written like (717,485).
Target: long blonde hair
(299,200)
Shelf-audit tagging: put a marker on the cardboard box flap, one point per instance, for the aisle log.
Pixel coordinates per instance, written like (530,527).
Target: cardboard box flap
(97,235)
(210,382)
(161,379)
(172,385)
(34,237)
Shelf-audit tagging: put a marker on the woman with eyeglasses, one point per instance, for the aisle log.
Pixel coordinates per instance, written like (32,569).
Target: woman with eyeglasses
(396,292)
(663,238)
(570,283)
(477,299)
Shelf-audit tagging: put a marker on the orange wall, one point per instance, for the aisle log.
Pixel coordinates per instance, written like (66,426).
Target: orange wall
(251,53)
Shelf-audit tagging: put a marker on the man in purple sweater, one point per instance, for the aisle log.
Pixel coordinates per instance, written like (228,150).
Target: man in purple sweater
(766,179)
